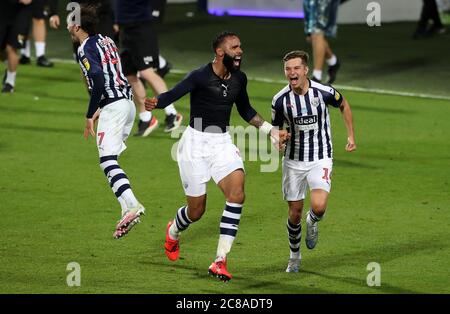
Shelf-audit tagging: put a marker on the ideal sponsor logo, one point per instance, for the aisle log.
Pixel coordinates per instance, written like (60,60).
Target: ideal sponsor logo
(305,120)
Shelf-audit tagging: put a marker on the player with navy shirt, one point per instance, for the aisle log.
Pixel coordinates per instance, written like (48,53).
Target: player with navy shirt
(206,149)
(308,161)
(111,103)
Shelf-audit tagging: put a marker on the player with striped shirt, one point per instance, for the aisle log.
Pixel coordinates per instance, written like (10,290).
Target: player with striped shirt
(111,103)
(308,160)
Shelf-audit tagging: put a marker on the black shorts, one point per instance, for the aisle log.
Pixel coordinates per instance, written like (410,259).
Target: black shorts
(15,31)
(139,47)
(38,8)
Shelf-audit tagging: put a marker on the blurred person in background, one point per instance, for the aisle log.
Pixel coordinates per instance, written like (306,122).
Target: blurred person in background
(15,20)
(39,15)
(429,13)
(320,23)
(140,59)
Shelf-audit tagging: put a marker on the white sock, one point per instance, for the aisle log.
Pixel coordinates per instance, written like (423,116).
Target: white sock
(11,78)
(129,198)
(312,218)
(27,50)
(170,110)
(123,204)
(162,62)
(40,48)
(332,61)
(317,74)
(145,116)
(174,233)
(228,229)
(224,246)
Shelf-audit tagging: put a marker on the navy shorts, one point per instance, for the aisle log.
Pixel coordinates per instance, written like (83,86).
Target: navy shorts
(321,16)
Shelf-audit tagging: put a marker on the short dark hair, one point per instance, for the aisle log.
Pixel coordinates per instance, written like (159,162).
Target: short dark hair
(220,38)
(297,54)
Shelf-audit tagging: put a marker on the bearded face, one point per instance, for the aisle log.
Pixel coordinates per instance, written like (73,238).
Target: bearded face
(232,64)
(232,54)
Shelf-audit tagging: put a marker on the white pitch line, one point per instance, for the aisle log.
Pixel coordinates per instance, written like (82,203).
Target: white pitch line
(345,87)
(364,89)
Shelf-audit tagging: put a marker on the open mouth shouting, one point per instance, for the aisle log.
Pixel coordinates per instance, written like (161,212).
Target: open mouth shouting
(294,80)
(237,61)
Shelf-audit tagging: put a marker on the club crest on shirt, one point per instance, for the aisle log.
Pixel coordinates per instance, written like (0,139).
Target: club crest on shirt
(86,64)
(315,102)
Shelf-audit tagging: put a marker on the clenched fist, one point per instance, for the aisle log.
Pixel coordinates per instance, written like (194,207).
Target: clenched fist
(150,103)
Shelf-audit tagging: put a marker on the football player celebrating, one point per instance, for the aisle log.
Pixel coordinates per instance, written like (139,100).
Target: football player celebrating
(111,103)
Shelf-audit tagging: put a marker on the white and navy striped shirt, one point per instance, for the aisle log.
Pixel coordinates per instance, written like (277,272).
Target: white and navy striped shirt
(308,119)
(99,55)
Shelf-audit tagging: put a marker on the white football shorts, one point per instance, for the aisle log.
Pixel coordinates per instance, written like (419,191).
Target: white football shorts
(298,175)
(202,156)
(114,126)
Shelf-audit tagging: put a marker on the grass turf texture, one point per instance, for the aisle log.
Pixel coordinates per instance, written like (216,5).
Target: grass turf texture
(389,202)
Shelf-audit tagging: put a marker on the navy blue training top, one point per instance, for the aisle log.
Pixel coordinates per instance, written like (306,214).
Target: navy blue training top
(212,98)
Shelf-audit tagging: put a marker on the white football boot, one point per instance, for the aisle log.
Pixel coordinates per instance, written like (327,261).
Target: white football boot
(129,219)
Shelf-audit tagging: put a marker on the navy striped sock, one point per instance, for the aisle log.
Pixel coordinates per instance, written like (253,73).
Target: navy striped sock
(118,180)
(314,217)
(295,236)
(182,220)
(228,229)
(230,219)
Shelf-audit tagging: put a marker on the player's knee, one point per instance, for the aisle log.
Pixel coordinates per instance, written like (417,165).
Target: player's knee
(236,196)
(319,207)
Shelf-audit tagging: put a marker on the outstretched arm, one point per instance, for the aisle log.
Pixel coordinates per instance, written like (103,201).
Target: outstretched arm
(167,98)
(278,137)
(348,120)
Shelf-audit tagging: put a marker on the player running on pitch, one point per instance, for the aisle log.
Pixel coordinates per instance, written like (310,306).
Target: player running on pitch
(206,149)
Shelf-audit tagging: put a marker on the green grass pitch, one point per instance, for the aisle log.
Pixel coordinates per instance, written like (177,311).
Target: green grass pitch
(389,202)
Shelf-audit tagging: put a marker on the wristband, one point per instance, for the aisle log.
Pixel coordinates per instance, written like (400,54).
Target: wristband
(266,127)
